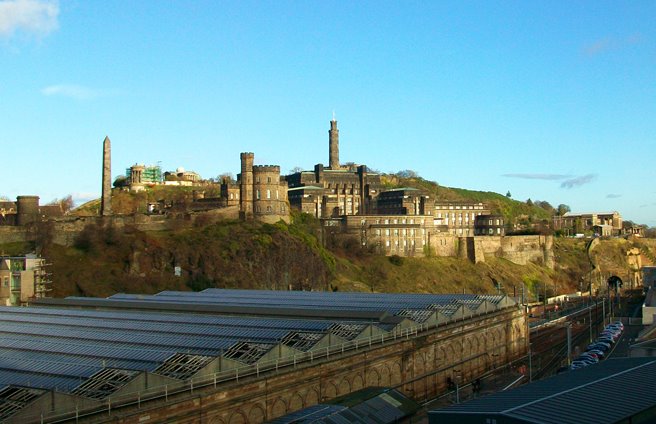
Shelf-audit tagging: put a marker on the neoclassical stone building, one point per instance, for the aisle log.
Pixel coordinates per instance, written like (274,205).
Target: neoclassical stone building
(335,190)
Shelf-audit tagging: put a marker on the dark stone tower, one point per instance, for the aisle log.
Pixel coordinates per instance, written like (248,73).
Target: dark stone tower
(246,185)
(27,210)
(106,199)
(333,138)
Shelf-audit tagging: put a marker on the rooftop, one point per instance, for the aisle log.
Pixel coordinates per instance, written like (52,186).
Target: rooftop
(608,392)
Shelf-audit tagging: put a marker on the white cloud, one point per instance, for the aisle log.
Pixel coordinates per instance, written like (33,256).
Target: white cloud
(37,17)
(81,198)
(70,90)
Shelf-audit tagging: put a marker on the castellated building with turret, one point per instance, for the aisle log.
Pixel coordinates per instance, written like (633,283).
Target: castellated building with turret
(262,192)
(351,202)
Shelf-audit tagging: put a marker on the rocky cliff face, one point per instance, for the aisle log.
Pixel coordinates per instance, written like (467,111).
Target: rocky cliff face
(107,259)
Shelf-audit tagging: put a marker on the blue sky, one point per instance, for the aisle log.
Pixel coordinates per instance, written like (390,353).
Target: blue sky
(550,100)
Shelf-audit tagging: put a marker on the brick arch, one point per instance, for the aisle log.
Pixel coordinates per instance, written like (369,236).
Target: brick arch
(373,377)
(420,369)
(441,356)
(295,402)
(215,420)
(481,343)
(385,376)
(330,390)
(344,387)
(473,341)
(517,330)
(357,383)
(452,352)
(279,408)
(467,348)
(238,417)
(312,397)
(428,355)
(396,376)
(256,414)
(420,363)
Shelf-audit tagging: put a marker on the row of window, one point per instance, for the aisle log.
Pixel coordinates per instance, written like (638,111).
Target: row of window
(460,216)
(268,194)
(404,243)
(396,232)
(269,209)
(459,207)
(395,221)
(490,231)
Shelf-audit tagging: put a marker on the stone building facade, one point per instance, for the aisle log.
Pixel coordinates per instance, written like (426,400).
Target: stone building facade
(262,192)
(336,190)
(403,235)
(573,223)
(489,225)
(404,201)
(458,218)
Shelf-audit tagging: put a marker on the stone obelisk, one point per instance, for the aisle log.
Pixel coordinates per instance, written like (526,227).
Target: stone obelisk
(106,199)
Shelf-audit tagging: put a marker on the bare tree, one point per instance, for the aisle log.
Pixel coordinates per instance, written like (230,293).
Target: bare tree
(65,203)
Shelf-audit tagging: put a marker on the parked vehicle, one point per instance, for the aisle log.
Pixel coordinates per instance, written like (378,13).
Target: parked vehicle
(603,346)
(606,339)
(619,324)
(588,357)
(579,364)
(600,354)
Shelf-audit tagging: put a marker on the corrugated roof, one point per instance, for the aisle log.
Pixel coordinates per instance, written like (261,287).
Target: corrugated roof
(602,393)
(369,405)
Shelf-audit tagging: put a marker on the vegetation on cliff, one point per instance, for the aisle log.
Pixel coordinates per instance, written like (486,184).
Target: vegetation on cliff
(105,260)
(231,254)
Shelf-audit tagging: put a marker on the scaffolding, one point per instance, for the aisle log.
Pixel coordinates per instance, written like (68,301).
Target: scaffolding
(42,281)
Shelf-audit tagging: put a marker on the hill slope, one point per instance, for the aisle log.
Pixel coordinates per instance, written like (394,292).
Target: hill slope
(237,254)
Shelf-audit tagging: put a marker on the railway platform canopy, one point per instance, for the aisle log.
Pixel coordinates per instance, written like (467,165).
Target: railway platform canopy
(613,391)
(77,351)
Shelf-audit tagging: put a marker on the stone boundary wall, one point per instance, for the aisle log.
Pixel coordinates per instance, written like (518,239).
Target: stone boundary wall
(517,249)
(10,234)
(444,244)
(66,230)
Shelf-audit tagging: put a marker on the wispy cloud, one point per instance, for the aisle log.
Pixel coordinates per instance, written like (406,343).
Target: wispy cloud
(71,90)
(647,205)
(551,177)
(35,17)
(81,198)
(578,181)
(613,196)
(604,45)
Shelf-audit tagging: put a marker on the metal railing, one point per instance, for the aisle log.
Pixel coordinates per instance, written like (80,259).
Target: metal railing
(247,371)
